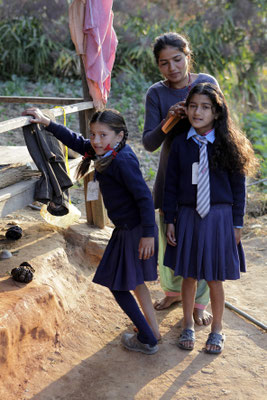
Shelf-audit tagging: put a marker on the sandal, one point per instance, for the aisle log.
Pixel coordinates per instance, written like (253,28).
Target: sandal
(215,339)
(187,335)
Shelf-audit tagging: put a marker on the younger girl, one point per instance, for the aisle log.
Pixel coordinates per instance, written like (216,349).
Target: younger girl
(131,255)
(204,206)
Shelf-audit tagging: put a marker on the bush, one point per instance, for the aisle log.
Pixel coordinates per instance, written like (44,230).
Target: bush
(255,126)
(25,49)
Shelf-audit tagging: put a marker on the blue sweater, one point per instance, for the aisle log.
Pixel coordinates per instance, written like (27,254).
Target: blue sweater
(126,196)
(225,187)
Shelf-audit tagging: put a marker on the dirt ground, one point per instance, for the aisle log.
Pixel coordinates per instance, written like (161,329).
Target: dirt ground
(60,334)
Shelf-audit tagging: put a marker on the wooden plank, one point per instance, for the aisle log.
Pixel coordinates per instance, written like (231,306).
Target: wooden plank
(13,154)
(40,100)
(19,122)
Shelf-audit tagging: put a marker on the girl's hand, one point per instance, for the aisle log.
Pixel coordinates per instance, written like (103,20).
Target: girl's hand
(146,248)
(39,117)
(237,235)
(177,109)
(170,233)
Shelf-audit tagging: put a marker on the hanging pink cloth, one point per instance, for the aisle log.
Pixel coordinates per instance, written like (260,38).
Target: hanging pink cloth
(91,28)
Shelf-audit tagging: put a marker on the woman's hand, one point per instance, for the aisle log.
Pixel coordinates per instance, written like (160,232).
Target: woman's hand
(170,233)
(146,248)
(39,117)
(237,235)
(177,109)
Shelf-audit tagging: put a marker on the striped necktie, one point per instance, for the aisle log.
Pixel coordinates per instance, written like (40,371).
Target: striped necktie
(203,182)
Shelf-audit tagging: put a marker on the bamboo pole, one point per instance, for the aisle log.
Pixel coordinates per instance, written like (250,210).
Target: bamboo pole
(245,315)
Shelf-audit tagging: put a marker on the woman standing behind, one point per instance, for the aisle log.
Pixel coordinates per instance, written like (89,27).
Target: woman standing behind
(165,99)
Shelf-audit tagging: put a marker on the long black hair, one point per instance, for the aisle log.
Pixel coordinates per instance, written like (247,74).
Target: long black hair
(231,149)
(115,121)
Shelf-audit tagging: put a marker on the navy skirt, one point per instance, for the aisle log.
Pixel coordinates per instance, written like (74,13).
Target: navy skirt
(120,267)
(206,248)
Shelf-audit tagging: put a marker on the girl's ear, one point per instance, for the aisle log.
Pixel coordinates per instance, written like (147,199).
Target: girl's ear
(120,136)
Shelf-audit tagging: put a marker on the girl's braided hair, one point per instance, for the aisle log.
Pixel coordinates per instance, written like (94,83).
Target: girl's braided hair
(115,121)
(231,150)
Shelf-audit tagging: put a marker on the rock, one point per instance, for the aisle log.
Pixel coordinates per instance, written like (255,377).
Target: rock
(5,254)
(207,370)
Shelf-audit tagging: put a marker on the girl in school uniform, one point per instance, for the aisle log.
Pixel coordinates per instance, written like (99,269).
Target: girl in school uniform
(204,202)
(131,255)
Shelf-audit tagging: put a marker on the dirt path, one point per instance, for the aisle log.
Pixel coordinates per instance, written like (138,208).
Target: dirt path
(83,358)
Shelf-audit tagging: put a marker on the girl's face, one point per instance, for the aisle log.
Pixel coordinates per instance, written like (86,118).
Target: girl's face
(201,114)
(173,65)
(101,137)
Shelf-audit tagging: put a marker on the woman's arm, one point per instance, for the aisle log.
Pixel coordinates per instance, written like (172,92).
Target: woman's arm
(153,136)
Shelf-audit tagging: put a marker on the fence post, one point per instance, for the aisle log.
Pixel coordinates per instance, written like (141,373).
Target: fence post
(84,116)
(96,213)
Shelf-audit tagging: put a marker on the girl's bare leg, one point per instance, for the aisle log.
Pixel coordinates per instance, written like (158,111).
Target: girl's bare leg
(143,296)
(189,287)
(217,306)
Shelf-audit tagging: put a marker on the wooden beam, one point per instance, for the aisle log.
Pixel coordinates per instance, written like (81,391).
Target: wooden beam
(19,122)
(40,100)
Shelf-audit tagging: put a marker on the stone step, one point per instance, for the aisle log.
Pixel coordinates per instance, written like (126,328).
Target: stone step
(20,194)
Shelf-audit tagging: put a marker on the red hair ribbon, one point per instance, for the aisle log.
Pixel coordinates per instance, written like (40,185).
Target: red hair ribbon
(114,153)
(87,155)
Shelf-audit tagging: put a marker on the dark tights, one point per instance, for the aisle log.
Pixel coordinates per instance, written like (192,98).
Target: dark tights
(128,304)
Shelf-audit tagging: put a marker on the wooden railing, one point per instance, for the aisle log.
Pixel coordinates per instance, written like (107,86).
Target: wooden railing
(19,122)
(21,194)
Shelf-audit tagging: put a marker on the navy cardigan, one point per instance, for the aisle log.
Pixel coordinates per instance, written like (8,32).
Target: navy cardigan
(225,187)
(126,196)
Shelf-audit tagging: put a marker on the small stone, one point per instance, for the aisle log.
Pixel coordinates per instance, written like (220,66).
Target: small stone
(5,254)
(224,391)
(207,370)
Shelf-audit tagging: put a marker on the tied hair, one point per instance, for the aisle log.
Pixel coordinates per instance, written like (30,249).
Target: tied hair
(114,120)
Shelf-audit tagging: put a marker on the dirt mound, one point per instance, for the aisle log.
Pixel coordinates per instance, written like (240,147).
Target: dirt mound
(60,334)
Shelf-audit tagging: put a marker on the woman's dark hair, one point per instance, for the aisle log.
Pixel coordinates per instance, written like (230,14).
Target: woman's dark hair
(231,149)
(115,121)
(172,39)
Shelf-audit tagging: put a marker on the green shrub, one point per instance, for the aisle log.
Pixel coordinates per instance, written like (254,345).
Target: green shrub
(255,126)
(25,49)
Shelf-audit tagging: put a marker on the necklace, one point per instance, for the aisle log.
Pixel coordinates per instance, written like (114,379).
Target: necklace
(186,86)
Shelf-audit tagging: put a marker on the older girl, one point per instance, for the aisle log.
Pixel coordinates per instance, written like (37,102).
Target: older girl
(204,204)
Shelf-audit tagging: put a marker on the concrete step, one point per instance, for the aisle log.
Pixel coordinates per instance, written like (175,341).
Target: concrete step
(19,195)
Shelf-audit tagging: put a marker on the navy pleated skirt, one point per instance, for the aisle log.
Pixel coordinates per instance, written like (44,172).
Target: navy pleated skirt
(206,248)
(120,267)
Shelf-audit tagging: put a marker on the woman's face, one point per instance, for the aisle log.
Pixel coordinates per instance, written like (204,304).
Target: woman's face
(173,65)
